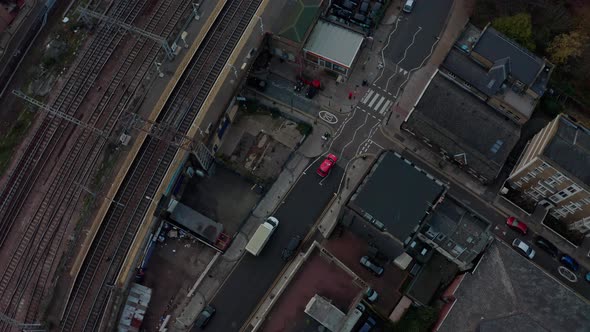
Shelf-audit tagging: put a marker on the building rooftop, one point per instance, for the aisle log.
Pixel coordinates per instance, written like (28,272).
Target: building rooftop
(324,312)
(298,18)
(335,43)
(570,149)
(508,292)
(464,126)
(456,229)
(495,46)
(397,194)
(489,82)
(336,284)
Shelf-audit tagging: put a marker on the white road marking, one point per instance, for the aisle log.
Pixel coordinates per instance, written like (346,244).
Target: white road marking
(379,103)
(367,96)
(385,107)
(374,99)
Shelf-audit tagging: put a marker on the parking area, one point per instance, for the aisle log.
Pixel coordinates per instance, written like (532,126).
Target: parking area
(349,248)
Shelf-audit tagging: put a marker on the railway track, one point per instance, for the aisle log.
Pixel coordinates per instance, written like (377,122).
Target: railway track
(36,261)
(91,291)
(68,100)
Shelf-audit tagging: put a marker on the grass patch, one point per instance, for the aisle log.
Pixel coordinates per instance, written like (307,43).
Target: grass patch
(13,138)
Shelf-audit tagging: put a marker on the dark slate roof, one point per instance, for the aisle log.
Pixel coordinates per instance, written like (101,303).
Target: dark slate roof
(570,149)
(297,17)
(466,69)
(517,322)
(397,194)
(460,123)
(494,46)
(505,284)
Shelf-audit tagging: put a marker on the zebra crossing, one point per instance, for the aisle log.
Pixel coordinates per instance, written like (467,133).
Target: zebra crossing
(377,101)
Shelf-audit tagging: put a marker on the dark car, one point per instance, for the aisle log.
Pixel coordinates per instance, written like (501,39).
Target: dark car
(290,248)
(369,324)
(569,262)
(544,244)
(205,316)
(371,266)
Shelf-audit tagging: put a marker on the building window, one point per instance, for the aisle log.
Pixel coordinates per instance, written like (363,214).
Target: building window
(543,166)
(338,68)
(574,189)
(559,177)
(574,206)
(541,189)
(558,197)
(518,183)
(551,182)
(534,194)
(585,201)
(526,178)
(556,213)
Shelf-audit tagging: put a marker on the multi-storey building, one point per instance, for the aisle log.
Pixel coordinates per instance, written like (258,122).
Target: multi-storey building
(554,172)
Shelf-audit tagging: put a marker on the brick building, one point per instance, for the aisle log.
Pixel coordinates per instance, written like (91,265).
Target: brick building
(554,172)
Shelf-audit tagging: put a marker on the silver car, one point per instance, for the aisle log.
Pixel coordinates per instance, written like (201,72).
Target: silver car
(367,263)
(524,248)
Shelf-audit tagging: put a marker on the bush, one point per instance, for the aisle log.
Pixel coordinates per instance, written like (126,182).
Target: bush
(417,319)
(304,128)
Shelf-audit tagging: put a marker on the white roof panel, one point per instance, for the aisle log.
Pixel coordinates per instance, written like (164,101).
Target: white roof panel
(335,43)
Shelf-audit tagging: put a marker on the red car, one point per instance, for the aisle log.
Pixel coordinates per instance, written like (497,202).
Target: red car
(516,225)
(327,165)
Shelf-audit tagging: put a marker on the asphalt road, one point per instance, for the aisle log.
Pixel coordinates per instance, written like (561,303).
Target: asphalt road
(253,276)
(503,233)
(416,32)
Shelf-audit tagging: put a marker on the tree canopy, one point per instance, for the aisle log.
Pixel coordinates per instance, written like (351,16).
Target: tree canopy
(518,27)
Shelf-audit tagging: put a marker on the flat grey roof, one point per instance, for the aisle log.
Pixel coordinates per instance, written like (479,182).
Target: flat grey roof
(195,222)
(506,284)
(334,43)
(462,124)
(494,46)
(570,149)
(396,193)
(458,230)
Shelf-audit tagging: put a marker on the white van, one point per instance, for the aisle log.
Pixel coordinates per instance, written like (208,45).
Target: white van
(261,236)
(408,6)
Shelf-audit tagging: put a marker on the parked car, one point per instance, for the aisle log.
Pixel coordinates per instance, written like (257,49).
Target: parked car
(516,225)
(371,266)
(409,5)
(371,295)
(569,262)
(369,324)
(291,247)
(523,248)
(327,165)
(549,247)
(587,277)
(205,316)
